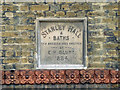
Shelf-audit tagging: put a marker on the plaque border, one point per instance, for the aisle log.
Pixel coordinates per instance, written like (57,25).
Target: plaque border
(61,66)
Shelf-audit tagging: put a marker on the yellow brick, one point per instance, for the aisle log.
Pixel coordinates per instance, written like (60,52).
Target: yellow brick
(39,14)
(86,6)
(65,7)
(11,61)
(71,14)
(24,33)
(116,33)
(9,14)
(49,13)
(17,53)
(28,27)
(25,54)
(94,59)
(111,6)
(107,20)
(118,12)
(9,27)
(0,53)
(97,39)
(110,45)
(24,40)
(10,34)
(96,65)
(24,66)
(7,8)
(108,59)
(9,53)
(60,13)
(24,60)
(27,47)
(112,53)
(111,26)
(10,40)
(96,13)
(24,8)
(39,7)
(76,7)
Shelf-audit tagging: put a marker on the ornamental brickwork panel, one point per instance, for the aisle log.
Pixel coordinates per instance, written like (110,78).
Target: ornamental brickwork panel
(60,76)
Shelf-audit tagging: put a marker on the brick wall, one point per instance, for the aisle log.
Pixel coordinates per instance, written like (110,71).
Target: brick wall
(18,31)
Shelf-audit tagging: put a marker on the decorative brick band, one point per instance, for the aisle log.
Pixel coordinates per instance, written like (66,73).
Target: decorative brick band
(60,76)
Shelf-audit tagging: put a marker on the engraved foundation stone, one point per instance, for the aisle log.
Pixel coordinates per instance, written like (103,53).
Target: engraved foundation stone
(61,43)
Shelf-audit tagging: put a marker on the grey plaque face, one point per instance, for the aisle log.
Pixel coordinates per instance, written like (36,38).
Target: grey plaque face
(61,43)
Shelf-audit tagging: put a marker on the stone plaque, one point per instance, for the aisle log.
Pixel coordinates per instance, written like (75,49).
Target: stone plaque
(61,43)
